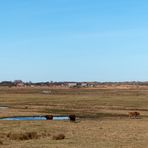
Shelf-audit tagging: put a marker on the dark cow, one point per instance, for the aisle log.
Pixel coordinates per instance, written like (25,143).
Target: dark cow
(72,117)
(49,117)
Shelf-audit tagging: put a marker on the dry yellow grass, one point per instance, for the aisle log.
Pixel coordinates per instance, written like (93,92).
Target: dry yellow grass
(99,133)
(103,116)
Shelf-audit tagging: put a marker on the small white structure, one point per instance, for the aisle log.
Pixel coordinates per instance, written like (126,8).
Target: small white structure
(84,84)
(72,84)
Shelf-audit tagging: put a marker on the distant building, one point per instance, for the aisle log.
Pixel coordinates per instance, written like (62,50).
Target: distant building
(92,84)
(72,84)
(19,83)
(84,84)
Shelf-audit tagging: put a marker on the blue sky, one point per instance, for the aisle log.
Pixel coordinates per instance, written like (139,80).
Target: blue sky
(74,40)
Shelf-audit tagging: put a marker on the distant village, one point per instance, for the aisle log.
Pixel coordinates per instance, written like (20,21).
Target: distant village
(51,84)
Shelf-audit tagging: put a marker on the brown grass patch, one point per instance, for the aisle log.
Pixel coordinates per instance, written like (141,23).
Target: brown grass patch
(58,137)
(23,136)
(1,142)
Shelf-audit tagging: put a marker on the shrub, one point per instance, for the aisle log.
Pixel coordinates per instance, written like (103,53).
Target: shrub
(23,136)
(1,142)
(58,137)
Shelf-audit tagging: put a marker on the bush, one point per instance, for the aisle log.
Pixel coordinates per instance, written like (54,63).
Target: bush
(1,142)
(58,137)
(23,136)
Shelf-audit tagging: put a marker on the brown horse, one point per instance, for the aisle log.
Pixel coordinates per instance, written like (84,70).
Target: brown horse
(133,114)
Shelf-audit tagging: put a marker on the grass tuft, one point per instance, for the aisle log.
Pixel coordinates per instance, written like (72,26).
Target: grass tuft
(1,142)
(23,136)
(58,137)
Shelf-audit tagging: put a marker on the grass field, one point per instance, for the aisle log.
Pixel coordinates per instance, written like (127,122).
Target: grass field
(102,118)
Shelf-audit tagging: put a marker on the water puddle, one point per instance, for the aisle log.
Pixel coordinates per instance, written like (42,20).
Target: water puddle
(3,107)
(35,118)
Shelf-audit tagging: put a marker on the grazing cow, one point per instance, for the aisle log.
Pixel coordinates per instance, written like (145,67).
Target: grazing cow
(49,117)
(133,114)
(72,118)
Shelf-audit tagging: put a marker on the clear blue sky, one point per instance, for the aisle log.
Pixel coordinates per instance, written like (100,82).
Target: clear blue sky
(74,40)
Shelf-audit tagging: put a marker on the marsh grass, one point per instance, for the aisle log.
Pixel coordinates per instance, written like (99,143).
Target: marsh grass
(20,136)
(23,136)
(103,116)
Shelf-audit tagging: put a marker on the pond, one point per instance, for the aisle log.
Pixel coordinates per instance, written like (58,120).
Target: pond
(35,118)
